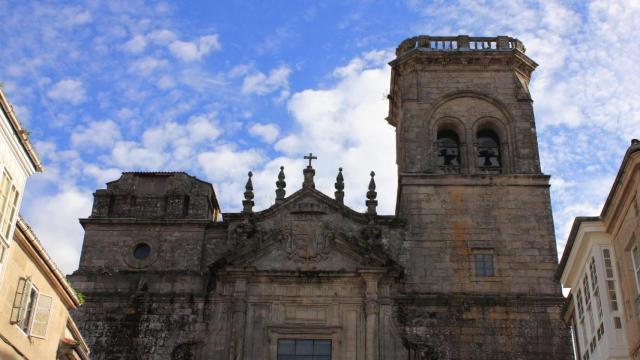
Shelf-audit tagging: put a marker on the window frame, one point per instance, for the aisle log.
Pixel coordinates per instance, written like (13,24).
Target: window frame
(4,258)
(636,266)
(5,202)
(473,263)
(295,342)
(45,323)
(29,309)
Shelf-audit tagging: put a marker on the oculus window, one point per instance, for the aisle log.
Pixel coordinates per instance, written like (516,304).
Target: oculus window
(142,251)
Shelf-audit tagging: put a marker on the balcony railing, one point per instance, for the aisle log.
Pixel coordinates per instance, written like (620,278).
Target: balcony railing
(460,43)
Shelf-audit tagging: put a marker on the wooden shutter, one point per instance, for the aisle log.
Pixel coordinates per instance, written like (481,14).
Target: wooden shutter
(41,316)
(20,301)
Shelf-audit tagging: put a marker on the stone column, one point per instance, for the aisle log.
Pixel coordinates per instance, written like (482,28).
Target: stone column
(239,315)
(372,313)
(372,310)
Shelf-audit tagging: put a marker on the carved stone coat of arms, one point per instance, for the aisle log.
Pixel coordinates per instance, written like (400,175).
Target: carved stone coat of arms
(307,240)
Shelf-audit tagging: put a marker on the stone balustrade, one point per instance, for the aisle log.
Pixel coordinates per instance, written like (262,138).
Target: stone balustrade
(460,43)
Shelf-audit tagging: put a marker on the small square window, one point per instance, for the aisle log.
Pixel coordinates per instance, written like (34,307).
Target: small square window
(617,322)
(484,265)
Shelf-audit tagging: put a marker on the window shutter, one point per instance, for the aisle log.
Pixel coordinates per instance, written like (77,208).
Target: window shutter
(41,316)
(20,301)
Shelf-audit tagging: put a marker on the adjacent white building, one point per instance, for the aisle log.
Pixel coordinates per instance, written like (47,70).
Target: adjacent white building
(18,161)
(601,265)
(595,311)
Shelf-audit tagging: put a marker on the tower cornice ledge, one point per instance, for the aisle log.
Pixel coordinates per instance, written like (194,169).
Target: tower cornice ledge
(474,180)
(465,51)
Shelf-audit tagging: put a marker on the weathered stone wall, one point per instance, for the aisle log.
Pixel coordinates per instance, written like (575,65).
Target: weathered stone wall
(491,328)
(143,326)
(175,246)
(448,220)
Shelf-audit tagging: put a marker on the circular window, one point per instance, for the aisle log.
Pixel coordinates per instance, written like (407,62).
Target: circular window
(141,251)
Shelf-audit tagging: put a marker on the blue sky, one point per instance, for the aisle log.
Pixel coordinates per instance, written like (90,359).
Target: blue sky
(218,88)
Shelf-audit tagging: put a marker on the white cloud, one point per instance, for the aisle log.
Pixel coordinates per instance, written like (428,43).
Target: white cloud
(147,65)
(263,84)
(23,113)
(227,167)
(165,82)
(57,226)
(98,134)
(68,90)
(345,126)
(266,132)
(130,155)
(194,50)
(101,175)
(76,16)
(170,144)
(162,37)
(136,44)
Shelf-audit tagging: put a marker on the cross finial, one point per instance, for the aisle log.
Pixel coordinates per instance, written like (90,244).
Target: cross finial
(310,157)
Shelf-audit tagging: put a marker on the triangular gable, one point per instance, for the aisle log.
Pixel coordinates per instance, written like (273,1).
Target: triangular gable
(309,231)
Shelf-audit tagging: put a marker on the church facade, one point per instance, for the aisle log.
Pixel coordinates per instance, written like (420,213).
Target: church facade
(464,269)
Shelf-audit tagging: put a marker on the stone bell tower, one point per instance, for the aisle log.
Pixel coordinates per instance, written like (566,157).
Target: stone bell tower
(480,252)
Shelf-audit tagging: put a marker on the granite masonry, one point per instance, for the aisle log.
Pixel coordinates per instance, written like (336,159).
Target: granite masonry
(463,270)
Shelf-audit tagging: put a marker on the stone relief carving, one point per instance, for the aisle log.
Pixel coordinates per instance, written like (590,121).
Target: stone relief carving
(306,241)
(245,234)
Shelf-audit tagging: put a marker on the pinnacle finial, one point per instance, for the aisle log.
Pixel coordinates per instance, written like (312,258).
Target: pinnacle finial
(247,203)
(372,203)
(280,185)
(339,187)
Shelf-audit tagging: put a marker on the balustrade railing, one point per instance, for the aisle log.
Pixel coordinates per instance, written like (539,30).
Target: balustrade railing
(460,43)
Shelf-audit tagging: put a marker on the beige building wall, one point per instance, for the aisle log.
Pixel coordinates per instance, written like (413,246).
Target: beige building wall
(27,260)
(622,218)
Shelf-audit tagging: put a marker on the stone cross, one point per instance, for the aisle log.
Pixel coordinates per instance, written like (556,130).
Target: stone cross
(309,172)
(310,157)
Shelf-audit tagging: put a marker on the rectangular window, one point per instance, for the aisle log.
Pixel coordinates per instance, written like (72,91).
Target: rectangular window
(9,197)
(484,265)
(579,303)
(587,292)
(617,322)
(4,249)
(594,286)
(636,265)
(611,283)
(31,309)
(41,316)
(304,349)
